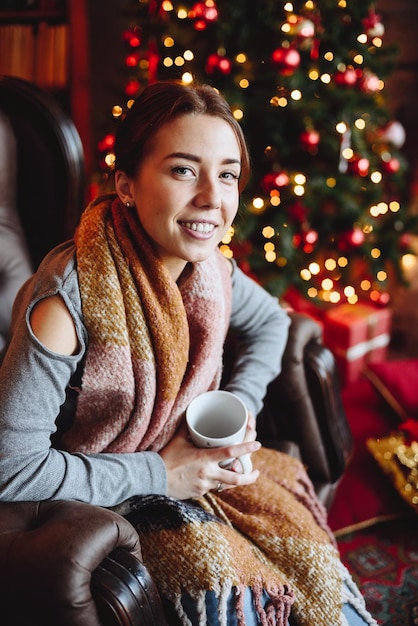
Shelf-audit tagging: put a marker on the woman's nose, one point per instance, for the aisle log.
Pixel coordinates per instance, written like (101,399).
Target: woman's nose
(208,194)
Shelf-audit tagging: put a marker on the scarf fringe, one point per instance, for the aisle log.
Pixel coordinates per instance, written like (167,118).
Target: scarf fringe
(351,595)
(276,611)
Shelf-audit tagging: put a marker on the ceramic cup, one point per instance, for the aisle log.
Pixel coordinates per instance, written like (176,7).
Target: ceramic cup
(216,419)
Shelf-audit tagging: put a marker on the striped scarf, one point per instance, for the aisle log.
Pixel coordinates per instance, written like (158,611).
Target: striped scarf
(153,344)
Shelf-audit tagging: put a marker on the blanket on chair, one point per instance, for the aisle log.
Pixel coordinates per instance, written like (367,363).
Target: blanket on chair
(271,537)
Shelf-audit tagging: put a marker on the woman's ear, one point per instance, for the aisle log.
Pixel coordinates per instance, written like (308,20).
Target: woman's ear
(123,188)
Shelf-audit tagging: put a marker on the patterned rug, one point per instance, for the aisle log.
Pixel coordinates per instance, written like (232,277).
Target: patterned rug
(383,560)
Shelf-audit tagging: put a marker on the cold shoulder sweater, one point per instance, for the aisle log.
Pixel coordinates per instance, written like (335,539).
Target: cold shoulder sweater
(35,383)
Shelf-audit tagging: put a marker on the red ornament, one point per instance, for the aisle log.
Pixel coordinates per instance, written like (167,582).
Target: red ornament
(309,139)
(106,143)
(131,37)
(347,78)
(310,237)
(273,180)
(203,13)
(373,25)
(392,165)
(305,239)
(351,239)
(132,87)
(359,165)
(287,60)
(132,60)
(369,83)
(217,63)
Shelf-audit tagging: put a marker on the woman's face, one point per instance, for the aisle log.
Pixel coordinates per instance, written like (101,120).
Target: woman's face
(186,189)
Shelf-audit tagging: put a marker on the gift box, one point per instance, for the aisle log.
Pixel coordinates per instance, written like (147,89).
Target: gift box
(357,334)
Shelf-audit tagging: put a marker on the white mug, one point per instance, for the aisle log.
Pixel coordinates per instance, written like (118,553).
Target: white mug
(216,419)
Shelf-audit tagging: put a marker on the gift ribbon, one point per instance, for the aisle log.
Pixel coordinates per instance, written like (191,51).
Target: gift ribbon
(361,349)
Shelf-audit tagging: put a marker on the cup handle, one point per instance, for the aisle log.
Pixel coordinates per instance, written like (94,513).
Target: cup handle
(246,463)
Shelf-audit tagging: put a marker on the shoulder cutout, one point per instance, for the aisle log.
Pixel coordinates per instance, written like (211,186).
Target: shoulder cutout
(53,325)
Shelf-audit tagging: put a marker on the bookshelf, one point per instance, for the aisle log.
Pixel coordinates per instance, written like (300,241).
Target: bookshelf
(46,42)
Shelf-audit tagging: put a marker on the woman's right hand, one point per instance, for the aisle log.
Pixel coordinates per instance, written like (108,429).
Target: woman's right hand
(192,471)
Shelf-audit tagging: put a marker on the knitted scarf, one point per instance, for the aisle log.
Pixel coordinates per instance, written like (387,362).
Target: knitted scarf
(153,346)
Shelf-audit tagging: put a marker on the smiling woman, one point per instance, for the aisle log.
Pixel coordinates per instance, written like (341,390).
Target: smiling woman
(115,335)
(186,188)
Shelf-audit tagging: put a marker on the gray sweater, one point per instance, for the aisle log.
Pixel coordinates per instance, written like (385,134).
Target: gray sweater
(34,383)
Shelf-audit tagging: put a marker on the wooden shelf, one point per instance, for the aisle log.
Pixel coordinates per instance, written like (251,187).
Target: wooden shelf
(49,46)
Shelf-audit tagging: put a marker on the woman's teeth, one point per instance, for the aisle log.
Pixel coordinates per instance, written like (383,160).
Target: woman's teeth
(200,227)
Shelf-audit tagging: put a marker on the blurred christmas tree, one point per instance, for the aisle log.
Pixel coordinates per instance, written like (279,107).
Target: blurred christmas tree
(325,211)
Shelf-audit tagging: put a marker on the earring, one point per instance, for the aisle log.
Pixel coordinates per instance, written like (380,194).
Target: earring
(128,205)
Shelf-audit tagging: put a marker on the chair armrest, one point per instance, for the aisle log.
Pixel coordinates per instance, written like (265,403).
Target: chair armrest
(48,554)
(125,593)
(303,404)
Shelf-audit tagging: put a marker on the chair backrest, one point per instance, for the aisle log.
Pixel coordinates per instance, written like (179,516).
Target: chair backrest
(51,180)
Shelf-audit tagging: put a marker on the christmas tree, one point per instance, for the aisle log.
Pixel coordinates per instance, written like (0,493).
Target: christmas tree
(325,211)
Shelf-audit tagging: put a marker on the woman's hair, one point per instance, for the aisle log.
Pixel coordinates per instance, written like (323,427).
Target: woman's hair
(162,102)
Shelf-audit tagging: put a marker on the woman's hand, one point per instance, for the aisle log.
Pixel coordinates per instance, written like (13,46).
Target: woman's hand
(192,472)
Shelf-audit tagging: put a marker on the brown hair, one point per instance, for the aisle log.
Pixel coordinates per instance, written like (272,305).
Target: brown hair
(162,102)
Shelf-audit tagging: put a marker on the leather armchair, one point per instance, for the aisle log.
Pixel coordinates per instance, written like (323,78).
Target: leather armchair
(70,563)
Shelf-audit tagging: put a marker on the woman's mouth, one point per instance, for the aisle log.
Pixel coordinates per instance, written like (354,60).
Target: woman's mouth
(199,227)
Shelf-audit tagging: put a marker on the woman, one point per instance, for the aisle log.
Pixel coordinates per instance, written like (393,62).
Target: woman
(114,336)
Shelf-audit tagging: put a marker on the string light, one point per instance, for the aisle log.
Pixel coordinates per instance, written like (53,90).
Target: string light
(268,232)
(258,205)
(182,13)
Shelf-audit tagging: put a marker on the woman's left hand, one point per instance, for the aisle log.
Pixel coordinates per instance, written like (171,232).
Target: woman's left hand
(192,471)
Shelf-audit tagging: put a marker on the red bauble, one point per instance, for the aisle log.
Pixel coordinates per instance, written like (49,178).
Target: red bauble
(287,60)
(132,60)
(274,180)
(107,143)
(131,37)
(392,166)
(310,237)
(132,88)
(347,78)
(309,139)
(208,12)
(359,165)
(373,25)
(351,239)
(369,83)
(217,63)
(203,14)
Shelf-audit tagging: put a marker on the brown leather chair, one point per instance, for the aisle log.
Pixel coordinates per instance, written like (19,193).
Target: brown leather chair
(69,563)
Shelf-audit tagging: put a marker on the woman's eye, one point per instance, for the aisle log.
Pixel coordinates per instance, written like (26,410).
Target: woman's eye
(230,176)
(182,170)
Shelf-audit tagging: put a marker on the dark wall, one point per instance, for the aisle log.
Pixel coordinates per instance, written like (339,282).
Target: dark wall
(401,28)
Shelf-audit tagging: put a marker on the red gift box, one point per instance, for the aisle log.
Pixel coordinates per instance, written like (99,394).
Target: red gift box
(357,334)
